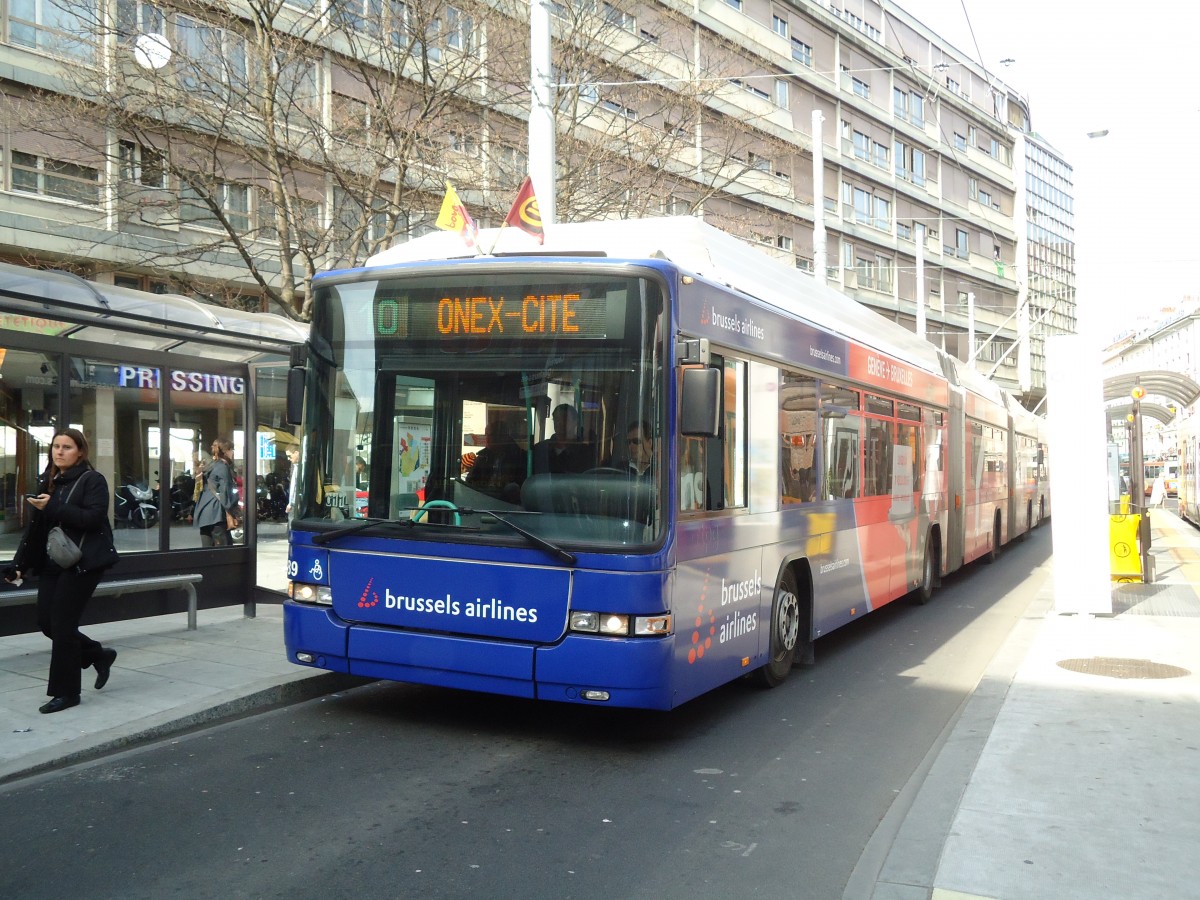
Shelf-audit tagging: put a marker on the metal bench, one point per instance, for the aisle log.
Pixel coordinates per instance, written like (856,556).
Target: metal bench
(185,583)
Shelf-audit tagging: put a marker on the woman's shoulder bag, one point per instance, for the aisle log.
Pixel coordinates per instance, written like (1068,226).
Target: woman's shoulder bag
(65,553)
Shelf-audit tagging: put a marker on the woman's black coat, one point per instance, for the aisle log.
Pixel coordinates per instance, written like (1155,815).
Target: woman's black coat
(84,520)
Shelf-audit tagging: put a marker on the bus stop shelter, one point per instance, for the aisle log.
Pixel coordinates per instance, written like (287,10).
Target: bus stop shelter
(152,380)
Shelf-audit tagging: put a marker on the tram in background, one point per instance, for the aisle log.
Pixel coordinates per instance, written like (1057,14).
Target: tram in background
(1187,486)
(697,461)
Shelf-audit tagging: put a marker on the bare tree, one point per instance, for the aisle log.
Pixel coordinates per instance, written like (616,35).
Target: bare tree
(254,144)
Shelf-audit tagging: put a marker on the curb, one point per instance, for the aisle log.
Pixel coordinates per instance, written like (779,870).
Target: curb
(226,706)
(901,858)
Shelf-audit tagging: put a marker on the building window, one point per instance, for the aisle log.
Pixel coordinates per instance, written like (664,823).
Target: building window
(51,26)
(910,163)
(779,25)
(862,146)
(196,200)
(861,88)
(299,88)
(465,144)
(961,248)
(619,18)
(960,142)
(214,59)
(136,17)
(142,165)
(880,155)
(909,106)
(883,214)
(617,109)
(736,4)
(802,52)
(782,94)
(32,174)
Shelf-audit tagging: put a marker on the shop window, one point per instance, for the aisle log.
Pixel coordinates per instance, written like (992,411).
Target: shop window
(29,400)
(116,405)
(205,406)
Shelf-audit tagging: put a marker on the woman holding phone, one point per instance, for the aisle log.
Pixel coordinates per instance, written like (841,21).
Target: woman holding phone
(73,496)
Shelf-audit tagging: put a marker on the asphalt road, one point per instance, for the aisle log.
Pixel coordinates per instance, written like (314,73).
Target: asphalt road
(399,791)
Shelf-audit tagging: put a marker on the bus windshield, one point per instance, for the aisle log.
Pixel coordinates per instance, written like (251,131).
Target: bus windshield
(493,406)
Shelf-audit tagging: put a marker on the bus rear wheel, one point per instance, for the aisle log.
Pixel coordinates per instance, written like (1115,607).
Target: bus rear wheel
(994,550)
(785,632)
(929,570)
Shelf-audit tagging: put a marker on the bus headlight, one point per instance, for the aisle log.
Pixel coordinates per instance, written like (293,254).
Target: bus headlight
(318,594)
(619,624)
(652,626)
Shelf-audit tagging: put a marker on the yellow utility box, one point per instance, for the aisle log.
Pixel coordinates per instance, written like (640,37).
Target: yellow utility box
(1124,555)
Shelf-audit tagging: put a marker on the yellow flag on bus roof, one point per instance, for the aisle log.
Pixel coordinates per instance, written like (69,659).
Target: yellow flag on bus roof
(454,217)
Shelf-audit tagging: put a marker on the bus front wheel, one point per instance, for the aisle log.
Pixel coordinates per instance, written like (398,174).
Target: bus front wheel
(785,632)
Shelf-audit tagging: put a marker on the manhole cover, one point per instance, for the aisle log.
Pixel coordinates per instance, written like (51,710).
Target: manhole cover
(1116,667)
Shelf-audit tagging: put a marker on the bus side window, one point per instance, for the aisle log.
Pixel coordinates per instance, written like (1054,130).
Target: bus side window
(734,456)
(797,438)
(842,439)
(693,474)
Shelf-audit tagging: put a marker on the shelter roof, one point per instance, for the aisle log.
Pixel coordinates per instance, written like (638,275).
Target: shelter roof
(1173,386)
(64,305)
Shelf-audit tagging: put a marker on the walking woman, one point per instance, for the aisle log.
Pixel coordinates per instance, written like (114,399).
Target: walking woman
(217,500)
(73,496)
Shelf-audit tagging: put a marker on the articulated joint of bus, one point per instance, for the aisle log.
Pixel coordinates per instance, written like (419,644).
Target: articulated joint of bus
(619,624)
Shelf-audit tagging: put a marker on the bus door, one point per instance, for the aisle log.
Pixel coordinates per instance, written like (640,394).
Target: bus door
(956,500)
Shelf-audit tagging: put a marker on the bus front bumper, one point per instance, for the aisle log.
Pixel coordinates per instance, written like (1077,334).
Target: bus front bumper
(626,672)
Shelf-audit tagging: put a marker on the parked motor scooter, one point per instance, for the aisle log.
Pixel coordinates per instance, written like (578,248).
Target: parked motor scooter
(182,490)
(134,505)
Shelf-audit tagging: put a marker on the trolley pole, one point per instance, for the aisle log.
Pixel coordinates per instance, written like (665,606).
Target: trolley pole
(1137,473)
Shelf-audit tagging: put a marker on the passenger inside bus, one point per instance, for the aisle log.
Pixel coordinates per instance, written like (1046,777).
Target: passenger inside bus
(499,468)
(640,446)
(565,450)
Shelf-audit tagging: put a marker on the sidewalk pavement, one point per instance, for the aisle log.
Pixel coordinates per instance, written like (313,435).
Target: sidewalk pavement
(166,680)
(1073,771)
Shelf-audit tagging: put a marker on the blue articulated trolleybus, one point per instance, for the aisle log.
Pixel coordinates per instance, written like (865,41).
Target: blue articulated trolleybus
(623,468)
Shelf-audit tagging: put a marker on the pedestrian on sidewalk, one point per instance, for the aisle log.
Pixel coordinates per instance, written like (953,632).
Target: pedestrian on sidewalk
(216,509)
(73,496)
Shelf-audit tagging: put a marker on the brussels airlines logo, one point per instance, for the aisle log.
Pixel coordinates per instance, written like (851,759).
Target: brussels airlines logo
(738,620)
(736,324)
(363,602)
(478,608)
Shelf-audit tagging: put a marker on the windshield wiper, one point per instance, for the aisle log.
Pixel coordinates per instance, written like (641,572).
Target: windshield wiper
(565,555)
(361,525)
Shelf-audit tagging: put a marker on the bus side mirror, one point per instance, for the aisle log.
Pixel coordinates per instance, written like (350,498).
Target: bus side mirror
(298,356)
(700,403)
(295,396)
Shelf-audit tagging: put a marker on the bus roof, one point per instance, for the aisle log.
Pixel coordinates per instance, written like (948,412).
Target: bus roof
(701,250)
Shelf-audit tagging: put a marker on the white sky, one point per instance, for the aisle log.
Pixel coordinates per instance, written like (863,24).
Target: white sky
(1129,68)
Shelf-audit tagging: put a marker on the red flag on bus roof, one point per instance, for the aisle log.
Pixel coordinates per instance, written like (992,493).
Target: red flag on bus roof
(525,213)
